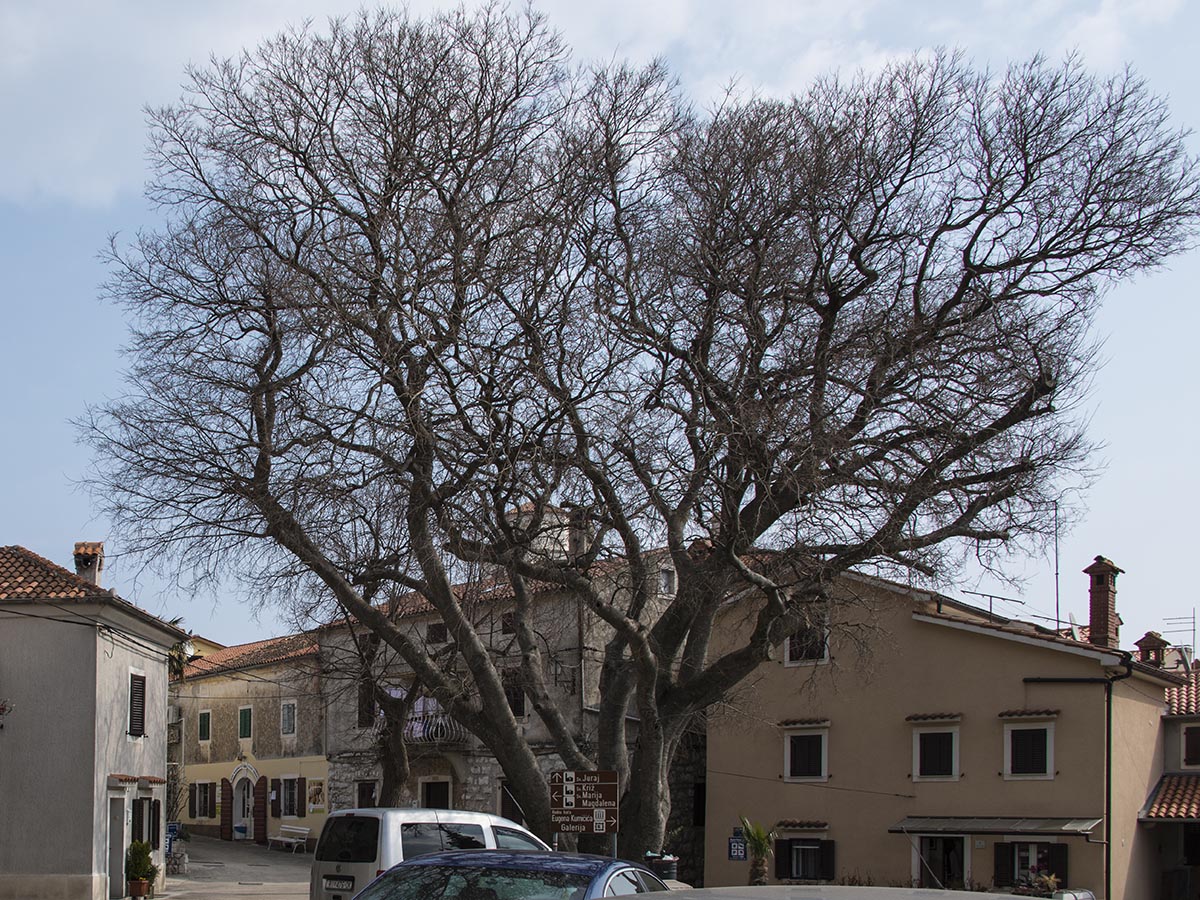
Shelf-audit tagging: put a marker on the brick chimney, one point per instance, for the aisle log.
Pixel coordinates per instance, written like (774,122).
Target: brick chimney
(89,560)
(1103,622)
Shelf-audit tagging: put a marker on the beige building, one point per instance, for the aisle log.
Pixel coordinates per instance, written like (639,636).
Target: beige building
(249,739)
(914,740)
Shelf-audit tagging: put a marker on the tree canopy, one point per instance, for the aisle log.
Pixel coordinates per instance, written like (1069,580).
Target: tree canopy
(427,288)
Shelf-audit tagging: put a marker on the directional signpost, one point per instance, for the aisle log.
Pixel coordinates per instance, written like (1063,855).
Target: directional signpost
(583,802)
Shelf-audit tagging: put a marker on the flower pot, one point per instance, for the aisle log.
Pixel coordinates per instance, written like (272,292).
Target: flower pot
(139,887)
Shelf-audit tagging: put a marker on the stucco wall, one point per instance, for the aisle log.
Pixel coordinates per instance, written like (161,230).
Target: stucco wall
(1138,753)
(914,668)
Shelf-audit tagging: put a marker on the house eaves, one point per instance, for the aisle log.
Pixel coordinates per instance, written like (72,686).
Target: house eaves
(1108,659)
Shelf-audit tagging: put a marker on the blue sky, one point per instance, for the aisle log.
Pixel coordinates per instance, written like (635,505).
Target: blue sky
(75,76)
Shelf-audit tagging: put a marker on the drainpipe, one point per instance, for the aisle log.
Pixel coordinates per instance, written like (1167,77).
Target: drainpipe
(1127,664)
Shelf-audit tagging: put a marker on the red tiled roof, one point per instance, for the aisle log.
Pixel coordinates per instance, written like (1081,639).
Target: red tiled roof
(1184,700)
(801,825)
(26,576)
(791,723)
(932,717)
(1028,713)
(1176,797)
(257,653)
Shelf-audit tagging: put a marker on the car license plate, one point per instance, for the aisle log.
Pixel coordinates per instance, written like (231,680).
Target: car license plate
(339,884)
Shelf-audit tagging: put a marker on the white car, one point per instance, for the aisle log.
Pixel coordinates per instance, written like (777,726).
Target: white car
(356,845)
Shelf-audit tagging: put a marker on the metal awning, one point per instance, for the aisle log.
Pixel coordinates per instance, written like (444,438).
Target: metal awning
(992,825)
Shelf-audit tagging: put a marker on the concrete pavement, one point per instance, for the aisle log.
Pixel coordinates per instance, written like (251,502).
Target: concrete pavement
(239,869)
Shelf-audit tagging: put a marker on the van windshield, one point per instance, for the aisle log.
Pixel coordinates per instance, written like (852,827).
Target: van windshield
(353,839)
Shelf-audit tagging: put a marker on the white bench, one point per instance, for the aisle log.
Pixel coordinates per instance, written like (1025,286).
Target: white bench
(290,836)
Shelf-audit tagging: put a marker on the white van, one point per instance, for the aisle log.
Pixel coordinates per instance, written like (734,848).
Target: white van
(358,844)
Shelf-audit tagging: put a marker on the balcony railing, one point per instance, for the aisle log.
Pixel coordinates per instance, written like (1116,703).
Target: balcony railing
(434,728)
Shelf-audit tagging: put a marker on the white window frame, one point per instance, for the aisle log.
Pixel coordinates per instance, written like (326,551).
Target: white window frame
(667,583)
(295,724)
(295,780)
(1183,764)
(916,764)
(207,740)
(817,661)
(1009,728)
(790,733)
(250,736)
(421,781)
(915,840)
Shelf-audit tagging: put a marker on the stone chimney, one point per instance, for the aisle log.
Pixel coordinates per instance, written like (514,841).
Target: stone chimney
(89,560)
(1103,623)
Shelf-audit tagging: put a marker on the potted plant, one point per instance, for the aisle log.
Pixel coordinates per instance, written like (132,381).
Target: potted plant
(140,871)
(759,845)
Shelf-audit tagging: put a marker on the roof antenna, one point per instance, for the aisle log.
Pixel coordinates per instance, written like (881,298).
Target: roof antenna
(1057,617)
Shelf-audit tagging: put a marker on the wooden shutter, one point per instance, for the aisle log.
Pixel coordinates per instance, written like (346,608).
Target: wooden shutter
(191,801)
(301,797)
(1002,870)
(260,810)
(1029,751)
(276,798)
(137,705)
(1058,863)
(155,823)
(783,860)
(828,868)
(226,809)
(137,820)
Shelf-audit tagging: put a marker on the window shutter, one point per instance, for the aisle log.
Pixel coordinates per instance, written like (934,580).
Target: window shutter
(301,796)
(1191,746)
(276,797)
(212,798)
(191,801)
(827,866)
(137,820)
(1058,863)
(783,860)
(226,830)
(1002,871)
(155,823)
(1029,751)
(137,705)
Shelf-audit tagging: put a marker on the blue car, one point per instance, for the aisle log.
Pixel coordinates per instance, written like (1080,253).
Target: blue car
(511,875)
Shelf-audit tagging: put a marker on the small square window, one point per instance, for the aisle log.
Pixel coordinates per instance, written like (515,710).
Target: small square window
(508,622)
(288,801)
(436,633)
(810,644)
(935,752)
(245,722)
(204,726)
(666,581)
(287,718)
(805,756)
(1029,751)
(514,691)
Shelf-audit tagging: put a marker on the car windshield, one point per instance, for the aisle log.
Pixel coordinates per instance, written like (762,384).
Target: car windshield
(474,883)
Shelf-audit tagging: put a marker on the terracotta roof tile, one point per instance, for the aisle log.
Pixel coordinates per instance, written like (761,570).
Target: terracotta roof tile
(1176,797)
(1028,713)
(801,825)
(1184,700)
(792,723)
(933,717)
(26,576)
(257,653)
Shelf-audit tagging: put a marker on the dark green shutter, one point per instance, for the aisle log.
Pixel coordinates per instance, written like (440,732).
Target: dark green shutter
(137,705)
(1002,870)
(302,797)
(783,860)
(137,820)
(1058,863)
(828,867)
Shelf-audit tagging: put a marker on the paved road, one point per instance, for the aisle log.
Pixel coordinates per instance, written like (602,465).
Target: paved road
(238,869)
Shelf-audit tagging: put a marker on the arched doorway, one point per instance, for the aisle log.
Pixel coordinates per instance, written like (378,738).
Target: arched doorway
(243,810)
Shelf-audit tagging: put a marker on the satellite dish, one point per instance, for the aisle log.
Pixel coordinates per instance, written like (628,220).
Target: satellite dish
(1074,627)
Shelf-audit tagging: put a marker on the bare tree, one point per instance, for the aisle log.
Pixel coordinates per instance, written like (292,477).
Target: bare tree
(427,282)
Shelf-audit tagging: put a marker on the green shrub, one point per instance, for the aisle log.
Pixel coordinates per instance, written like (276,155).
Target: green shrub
(138,865)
